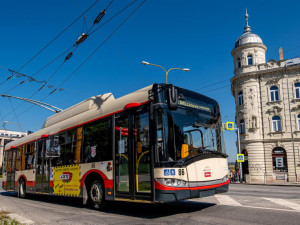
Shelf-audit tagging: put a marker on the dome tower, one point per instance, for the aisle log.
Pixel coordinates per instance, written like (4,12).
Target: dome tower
(249,50)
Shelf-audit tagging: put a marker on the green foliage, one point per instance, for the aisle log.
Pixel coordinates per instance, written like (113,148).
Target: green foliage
(5,220)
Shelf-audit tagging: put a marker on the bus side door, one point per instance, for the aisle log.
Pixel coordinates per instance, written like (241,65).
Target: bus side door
(42,168)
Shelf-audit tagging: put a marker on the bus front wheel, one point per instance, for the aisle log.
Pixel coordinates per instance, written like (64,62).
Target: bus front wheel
(22,189)
(96,195)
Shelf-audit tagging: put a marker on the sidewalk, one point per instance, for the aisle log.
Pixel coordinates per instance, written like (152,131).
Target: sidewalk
(292,184)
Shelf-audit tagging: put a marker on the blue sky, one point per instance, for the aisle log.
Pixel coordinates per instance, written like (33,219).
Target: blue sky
(199,35)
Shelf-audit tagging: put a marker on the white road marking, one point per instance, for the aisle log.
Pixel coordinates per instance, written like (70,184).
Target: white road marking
(20,219)
(226,200)
(285,203)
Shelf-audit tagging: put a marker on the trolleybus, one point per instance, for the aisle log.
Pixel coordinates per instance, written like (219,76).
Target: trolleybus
(158,144)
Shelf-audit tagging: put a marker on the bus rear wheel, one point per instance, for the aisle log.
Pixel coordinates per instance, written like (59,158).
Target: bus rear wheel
(22,189)
(96,195)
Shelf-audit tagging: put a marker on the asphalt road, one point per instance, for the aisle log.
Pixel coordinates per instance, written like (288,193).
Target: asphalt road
(243,204)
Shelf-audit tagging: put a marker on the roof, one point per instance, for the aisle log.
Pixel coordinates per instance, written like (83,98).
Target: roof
(291,62)
(247,37)
(83,112)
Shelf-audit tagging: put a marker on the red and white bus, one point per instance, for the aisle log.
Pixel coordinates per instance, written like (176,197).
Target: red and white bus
(158,144)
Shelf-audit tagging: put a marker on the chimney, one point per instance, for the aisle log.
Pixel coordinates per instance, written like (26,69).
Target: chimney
(280,54)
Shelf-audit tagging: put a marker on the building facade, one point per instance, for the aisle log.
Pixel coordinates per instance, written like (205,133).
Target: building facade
(267,97)
(7,136)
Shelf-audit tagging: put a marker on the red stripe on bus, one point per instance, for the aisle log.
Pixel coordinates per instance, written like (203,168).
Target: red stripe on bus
(105,179)
(160,186)
(30,183)
(143,103)
(109,184)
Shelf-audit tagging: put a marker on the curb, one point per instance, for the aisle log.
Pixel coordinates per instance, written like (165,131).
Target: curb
(285,185)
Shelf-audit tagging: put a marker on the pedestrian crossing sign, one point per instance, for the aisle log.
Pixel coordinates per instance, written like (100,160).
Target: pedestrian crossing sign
(229,125)
(240,158)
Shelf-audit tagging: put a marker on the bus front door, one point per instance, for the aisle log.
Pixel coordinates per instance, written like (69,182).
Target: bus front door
(42,169)
(132,156)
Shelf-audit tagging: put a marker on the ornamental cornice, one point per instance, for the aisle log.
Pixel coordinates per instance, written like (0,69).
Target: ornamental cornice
(267,141)
(278,102)
(248,46)
(274,110)
(274,80)
(296,108)
(258,73)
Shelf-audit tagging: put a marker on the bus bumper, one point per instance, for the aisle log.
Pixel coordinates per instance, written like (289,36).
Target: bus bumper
(172,194)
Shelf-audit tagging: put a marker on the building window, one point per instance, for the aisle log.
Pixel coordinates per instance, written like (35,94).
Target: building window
(238,62)
(279,159)
(242,126)
(297,90)
(276,124)
(274,93)
(298,121)
(240,98)
(250,60)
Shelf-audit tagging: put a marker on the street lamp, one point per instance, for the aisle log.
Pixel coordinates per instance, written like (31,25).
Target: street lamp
(166,72)
(15,124)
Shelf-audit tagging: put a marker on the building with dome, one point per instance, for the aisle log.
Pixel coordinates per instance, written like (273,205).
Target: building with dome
(267,98)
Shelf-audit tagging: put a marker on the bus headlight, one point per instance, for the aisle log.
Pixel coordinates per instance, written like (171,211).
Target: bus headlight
(172,182)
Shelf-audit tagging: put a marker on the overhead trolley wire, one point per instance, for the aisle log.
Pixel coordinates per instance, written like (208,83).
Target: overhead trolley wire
(16,117)
(115,15)
(84,19)
(87,58)
(47,45)
(57,36)
(66,58)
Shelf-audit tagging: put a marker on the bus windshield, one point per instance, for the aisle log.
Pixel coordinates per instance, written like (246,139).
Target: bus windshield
(199,130)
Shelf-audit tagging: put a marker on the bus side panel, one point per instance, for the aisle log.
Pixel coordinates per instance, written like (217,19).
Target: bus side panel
(29,176)
(65,180)
(105,170)
(4,179)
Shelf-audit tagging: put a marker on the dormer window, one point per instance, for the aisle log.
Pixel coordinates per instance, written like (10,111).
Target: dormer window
(274,93)
(238,62)
(250,60)
(240,98)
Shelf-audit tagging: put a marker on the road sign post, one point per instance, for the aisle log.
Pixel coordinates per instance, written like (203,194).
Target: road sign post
(230,126)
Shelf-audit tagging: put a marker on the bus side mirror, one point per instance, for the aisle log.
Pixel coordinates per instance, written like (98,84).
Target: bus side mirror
(184,150)
(172,98)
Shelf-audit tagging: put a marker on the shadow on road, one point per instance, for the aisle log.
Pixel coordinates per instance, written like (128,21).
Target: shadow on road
(139,210)
(151,211)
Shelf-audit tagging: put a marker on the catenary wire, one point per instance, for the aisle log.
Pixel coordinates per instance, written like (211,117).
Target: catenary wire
(87,58)
(57,36)
(65,60)
(91,53)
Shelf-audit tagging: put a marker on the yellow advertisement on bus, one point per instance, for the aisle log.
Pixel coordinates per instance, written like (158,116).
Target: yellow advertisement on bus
(67,180)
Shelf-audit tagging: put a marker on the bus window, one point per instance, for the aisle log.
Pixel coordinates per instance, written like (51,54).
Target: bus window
(97,141)
(29,156)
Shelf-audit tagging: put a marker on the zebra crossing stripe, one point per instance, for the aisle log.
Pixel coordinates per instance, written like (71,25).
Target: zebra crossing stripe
(285,203)
(226,200)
